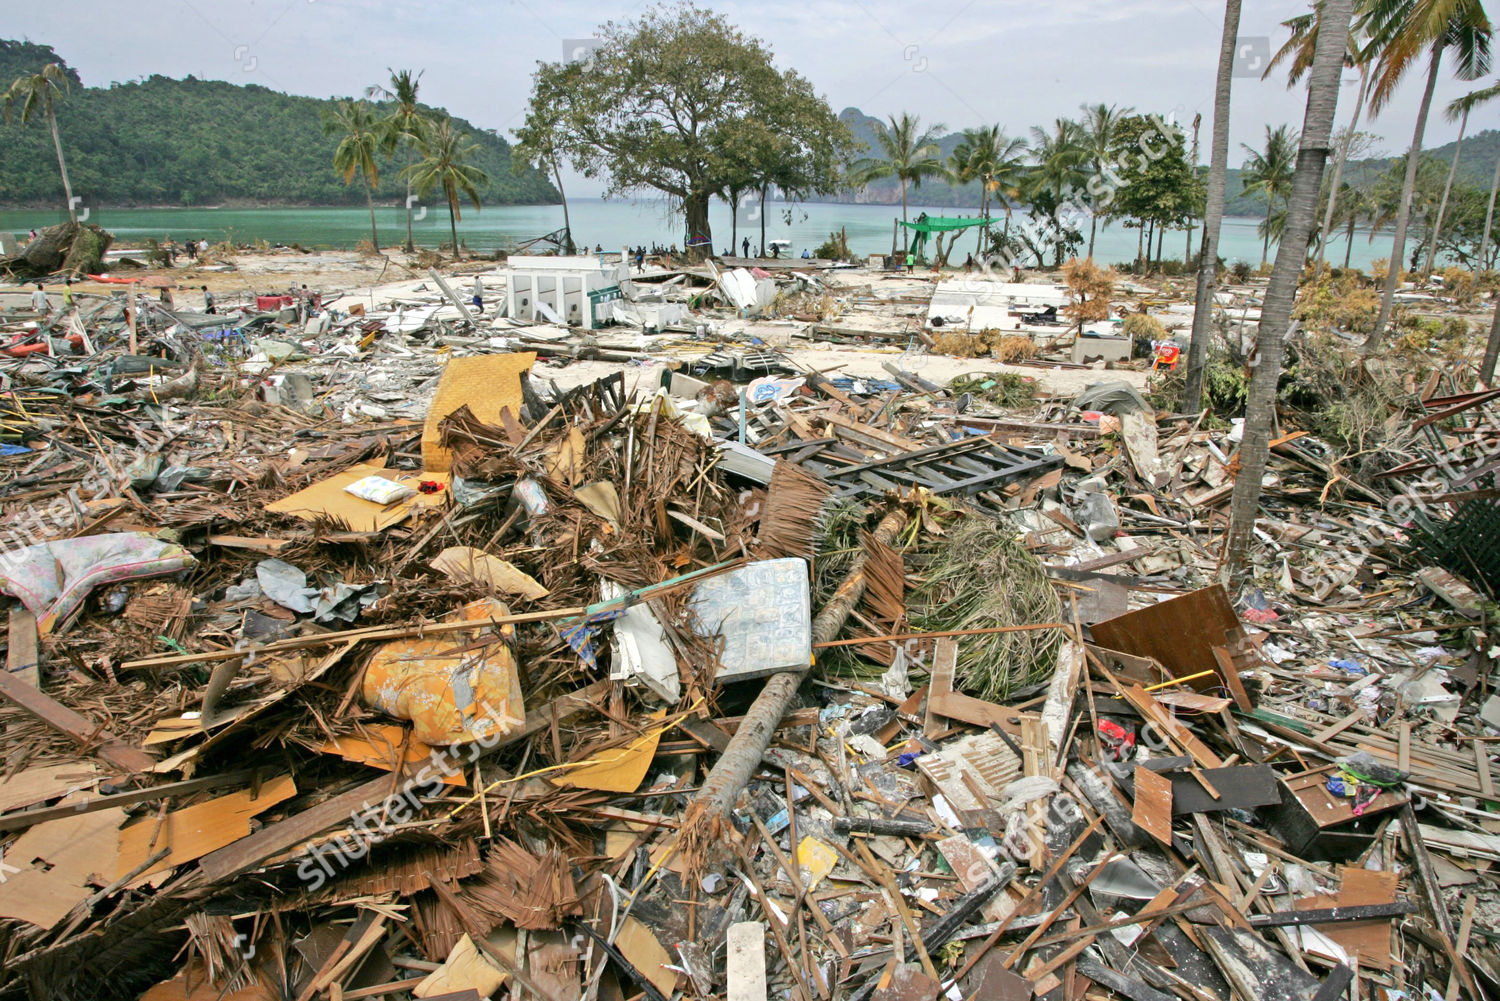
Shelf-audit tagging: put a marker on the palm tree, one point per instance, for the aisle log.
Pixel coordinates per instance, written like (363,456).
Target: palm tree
(908,153)
(992,158)
(1354,206)
(447,165)
(1269,172)
(359,141)
(1059,157)
(1281,291)
(1403,30)
(1101,135)
(1360,56)
(1460,109)
(405,126)
(1213,211)
(41,92)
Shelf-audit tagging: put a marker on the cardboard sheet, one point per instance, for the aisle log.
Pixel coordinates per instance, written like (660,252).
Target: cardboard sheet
(327,499)
(59,861)
(486,384)
(618,769)
(378,744)
(465,564)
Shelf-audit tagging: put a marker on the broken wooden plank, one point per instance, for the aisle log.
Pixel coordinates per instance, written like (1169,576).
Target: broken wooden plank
(1153,804)
(21,657)
(1329,915)
(59,717)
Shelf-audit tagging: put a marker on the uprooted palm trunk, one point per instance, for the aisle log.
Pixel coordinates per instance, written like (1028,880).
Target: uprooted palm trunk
(75,248)
(732,772)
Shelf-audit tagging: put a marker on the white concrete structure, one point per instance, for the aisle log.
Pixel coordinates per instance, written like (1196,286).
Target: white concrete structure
(979,304)
(577,291)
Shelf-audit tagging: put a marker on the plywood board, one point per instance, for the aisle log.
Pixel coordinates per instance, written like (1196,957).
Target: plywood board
(1153,804)
(486,384)
(636,942)
(59,863)
(194,831)
(1180,633)
(43,782)
(379,745)
(328,499)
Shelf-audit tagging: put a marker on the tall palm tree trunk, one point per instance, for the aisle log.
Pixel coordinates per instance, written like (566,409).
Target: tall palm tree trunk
(62,165)
(410,156)
(567,223)
(1489,216)
(1349,247)
(1213,213)
(1187,253)
(1491,349)
(1265,240)
(763,222)
(370,201)
(453,223)
(734,222)
(1338,164)
(905,233)
(1437,226)
(1403,212)
(1276,313)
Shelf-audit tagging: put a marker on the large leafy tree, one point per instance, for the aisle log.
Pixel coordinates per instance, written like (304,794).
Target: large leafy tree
(449,166)
(650,108)
(1281,291)
(404,127)
(909,153)
(1160,187)
(1268,173)
(1403,31)
(39,93)
(358,131)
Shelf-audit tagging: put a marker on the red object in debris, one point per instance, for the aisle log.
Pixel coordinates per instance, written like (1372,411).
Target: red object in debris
(272,303)
(1259,615)
(1118,742)
(15,349)
(430,487)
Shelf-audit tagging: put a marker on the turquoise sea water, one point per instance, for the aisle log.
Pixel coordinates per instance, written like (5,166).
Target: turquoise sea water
(609,223)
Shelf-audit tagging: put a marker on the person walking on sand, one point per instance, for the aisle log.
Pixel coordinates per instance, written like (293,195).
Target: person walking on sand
(208,301)
(68,293)
(40,302)
(745,246)
(478,299)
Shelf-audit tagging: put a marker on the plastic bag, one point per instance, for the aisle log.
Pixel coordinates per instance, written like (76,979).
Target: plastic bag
(380,490)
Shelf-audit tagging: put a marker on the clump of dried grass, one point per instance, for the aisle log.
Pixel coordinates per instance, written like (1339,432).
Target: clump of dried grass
(981,575)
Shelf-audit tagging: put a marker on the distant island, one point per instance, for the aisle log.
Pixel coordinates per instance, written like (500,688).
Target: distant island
(163,142)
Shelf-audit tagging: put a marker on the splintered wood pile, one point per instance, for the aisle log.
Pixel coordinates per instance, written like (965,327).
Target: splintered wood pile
(851,693)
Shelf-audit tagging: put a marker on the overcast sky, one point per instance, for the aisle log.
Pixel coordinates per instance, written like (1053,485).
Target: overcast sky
(958,62)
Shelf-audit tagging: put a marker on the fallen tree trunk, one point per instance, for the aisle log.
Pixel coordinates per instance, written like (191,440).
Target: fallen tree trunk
(732,772)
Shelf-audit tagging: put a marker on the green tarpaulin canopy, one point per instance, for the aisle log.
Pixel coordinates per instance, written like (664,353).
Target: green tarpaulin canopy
(941,224)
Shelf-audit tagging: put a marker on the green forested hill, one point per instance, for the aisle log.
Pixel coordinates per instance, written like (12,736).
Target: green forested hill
(200,142)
